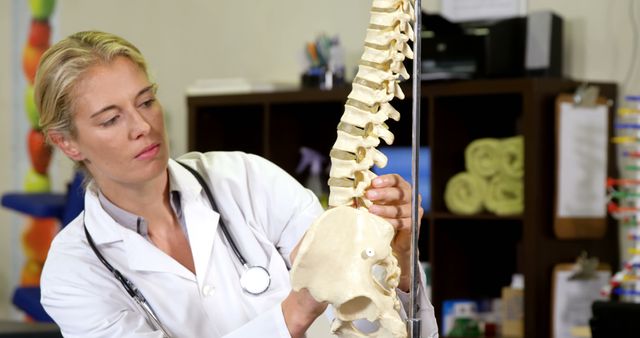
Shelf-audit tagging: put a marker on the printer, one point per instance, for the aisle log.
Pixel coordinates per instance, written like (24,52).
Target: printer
(486,49)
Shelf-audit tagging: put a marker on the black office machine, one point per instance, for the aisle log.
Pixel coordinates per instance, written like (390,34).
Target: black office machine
(509,47)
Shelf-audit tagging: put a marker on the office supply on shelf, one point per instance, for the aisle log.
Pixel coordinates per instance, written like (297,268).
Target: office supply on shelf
(323,63)
(460,318)
(472,49)
(574,288)
(512,308)
(543,51)
(581,164)
(513,45)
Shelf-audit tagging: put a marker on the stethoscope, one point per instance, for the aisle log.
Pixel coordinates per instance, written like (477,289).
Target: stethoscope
(254,280)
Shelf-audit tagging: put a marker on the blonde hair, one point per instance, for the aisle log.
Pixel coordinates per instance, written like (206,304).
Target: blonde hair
(60,69)
(62,65)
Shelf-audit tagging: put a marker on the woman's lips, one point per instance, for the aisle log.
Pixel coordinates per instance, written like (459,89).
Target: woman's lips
(149,152)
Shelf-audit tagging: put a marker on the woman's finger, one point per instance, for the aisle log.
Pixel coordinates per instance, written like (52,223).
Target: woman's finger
(391,211)
(391,195)
(401,218)
(400,224)
(389,180)
(389,189)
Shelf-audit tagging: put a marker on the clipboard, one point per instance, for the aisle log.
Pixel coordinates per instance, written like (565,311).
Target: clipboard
(581,134)
(572,297)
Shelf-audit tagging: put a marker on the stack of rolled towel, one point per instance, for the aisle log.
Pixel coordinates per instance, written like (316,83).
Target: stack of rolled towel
(493,180)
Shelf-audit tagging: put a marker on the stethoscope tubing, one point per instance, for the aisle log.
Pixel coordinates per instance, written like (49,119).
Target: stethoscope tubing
(212,201)
(128,285)
(137,295)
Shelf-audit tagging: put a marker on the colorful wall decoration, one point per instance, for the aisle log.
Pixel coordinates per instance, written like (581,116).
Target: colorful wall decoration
(624,201)
(39,232)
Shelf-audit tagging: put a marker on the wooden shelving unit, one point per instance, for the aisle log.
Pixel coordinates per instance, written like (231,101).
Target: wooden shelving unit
(471,256)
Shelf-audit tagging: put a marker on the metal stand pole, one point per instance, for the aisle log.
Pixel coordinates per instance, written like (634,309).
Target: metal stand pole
(413,320)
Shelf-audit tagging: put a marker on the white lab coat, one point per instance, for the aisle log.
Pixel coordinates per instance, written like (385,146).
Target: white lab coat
(267,212)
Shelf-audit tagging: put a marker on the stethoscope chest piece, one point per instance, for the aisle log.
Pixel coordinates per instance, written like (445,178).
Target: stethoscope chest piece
(255,280)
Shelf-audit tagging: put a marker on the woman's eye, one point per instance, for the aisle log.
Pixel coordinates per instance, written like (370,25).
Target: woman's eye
(148,103)
(110,121)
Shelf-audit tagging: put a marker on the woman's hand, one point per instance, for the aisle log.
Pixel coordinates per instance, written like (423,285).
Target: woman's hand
(391,196)
(300,310)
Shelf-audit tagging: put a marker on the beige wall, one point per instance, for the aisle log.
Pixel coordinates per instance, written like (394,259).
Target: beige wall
(261,40)
(6,252)
(598,37)
(187,40)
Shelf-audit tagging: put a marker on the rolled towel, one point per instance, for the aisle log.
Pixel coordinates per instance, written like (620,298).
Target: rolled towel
(512,156)
(505,195)
(465,193)
(481,157)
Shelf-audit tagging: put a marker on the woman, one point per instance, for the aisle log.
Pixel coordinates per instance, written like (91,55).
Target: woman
(150,218)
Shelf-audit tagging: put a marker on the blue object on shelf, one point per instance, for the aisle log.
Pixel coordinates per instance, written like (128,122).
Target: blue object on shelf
(29,298)
(75,200)
(400,163)
(41,205)
(64,207)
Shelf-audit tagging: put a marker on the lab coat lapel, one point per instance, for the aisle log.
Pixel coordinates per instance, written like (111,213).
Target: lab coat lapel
(102,228)
(138,252)
(201,220)
(202,224)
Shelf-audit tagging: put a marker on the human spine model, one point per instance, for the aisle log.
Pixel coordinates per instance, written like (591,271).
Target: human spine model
(345,258)
(367,107)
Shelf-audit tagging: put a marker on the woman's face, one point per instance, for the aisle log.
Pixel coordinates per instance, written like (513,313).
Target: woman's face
(120,128)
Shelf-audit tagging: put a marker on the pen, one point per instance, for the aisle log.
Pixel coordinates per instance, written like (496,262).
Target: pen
(312,53)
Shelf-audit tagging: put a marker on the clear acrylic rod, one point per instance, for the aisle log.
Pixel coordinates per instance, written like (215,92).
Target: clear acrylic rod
(413,319)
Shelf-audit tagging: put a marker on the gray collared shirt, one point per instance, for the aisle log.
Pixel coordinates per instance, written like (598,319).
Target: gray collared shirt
(138,223)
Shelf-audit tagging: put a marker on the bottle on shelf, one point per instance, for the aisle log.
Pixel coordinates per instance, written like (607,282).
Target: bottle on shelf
(313,160)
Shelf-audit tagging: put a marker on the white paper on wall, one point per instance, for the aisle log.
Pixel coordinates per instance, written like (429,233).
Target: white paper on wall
(572,301)
(469,10)
(582,161)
